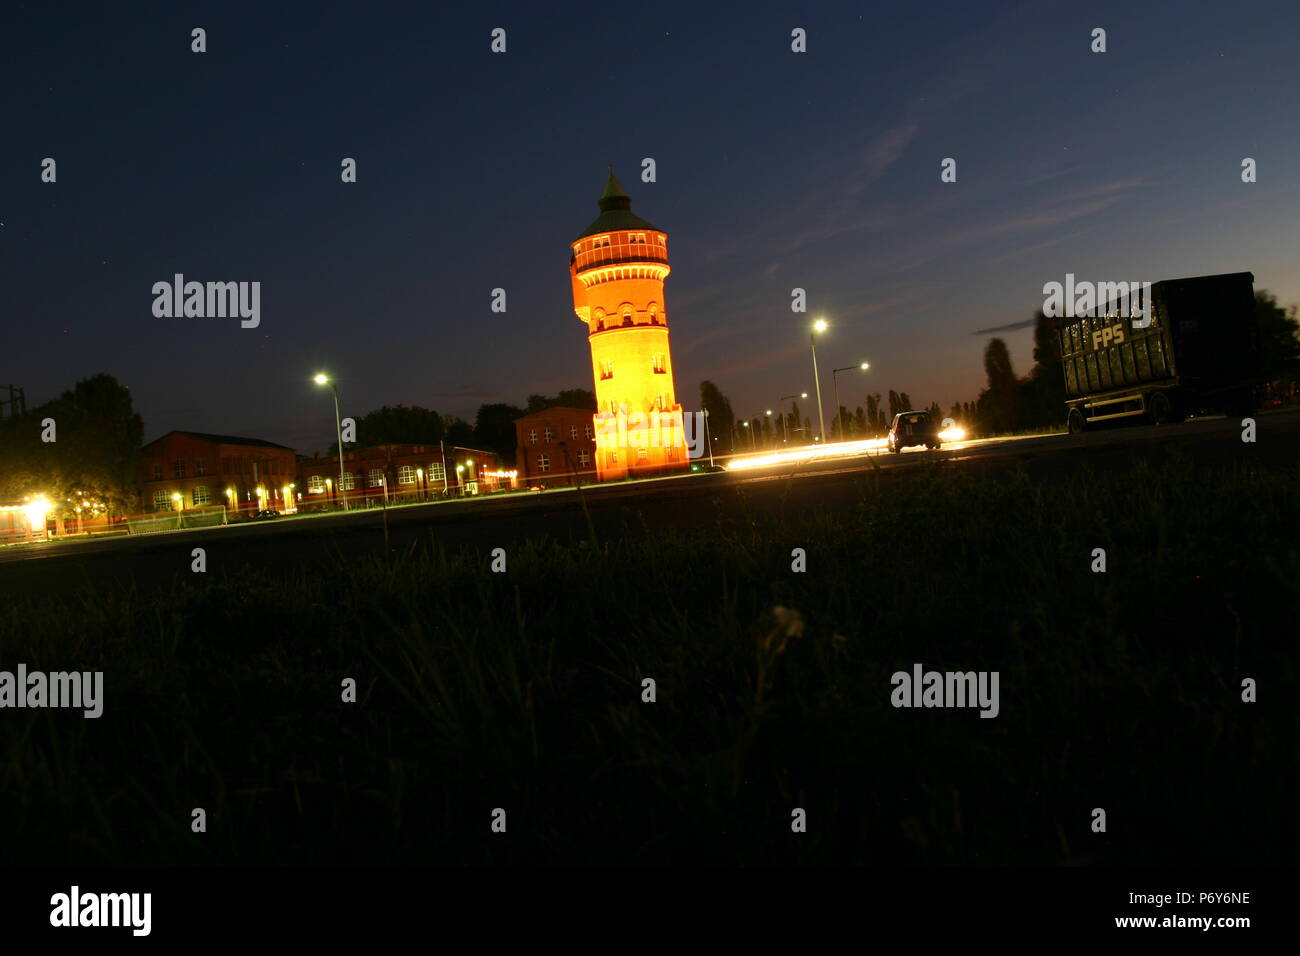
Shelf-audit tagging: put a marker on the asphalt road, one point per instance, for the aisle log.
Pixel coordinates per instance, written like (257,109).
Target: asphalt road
(623,508)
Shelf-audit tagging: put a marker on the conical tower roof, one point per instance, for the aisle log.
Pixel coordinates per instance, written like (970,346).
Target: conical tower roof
(615,211)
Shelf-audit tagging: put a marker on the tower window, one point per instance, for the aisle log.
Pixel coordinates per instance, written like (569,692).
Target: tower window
(657,362)
(606,369)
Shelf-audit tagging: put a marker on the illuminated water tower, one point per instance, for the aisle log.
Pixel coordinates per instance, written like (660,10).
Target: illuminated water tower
(618,266)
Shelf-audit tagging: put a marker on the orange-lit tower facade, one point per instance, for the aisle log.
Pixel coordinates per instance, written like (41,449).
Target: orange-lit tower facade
(618,266)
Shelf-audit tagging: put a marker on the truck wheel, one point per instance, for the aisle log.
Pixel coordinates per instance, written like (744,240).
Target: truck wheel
(1075,422)
(1160,411)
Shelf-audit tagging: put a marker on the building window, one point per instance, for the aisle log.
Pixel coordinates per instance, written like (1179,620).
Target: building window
(548,434)
(642,455)
(200,466)
(178,468)
(316,484)
(584,457)
(347,481)
(162,501)
(543,462)
(587,429)
(627,318)
(200,495)
(657,363)
(157,471)
(375,478)
(406,475)
(661,401)
(613,458)
(532,436)
(606,369)
(435,471)
(573,431)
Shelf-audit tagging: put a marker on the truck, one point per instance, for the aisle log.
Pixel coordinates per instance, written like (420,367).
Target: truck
(1196,348)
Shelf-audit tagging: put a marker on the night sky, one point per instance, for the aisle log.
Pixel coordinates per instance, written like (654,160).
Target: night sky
(476,170)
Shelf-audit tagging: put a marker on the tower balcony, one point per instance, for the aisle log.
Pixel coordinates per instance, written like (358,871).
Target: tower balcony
(621,253)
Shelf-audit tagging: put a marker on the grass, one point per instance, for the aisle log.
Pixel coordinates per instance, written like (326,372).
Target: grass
(522,690)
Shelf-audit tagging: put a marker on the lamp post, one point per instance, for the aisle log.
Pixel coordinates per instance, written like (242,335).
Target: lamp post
(784,430)
(708,440)
(836,385)
(323,379)
(769,415)
(818,326)
(751,436)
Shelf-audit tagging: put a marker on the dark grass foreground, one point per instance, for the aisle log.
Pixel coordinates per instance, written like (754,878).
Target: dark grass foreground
(522,691)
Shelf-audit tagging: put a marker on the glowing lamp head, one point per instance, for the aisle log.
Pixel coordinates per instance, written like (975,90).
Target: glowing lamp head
(321,379)
(864,366)
(819,325)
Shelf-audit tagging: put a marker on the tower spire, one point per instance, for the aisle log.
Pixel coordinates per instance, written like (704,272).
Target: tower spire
(613,198)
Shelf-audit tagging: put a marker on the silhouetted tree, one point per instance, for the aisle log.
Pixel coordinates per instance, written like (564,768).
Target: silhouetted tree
(997,403)
(567,398)
(494,429)
(1279,345)
(722,420)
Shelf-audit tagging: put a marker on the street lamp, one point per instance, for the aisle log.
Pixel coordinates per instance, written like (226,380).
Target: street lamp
(707,439)
(323,379)
(819,326)
(836,385)
(786,431)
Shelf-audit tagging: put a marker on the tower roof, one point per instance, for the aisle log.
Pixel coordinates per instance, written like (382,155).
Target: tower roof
(615,211)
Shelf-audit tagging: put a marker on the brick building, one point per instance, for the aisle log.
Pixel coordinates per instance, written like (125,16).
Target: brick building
(183,471)
(556,446)
(399,473)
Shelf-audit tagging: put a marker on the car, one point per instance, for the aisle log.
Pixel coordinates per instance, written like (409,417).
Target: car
(913,428)
(267,513)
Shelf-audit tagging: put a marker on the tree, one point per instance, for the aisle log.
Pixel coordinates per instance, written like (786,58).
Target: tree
(722,420)
(397,425)
(1279,345)
(494,429)
(458,432)
(583,398)
(94,456)
(895,404)
(1042,395)
(998,402)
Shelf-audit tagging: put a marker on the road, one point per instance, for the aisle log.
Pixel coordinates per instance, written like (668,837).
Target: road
(679,502)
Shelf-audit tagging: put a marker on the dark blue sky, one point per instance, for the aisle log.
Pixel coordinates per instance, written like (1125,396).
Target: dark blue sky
(775,170)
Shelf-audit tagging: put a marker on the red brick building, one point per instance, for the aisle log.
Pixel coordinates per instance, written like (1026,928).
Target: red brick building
(556,446)
(397,473)
(184,471)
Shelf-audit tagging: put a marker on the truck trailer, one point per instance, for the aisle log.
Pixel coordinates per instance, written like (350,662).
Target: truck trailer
(1196,348)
